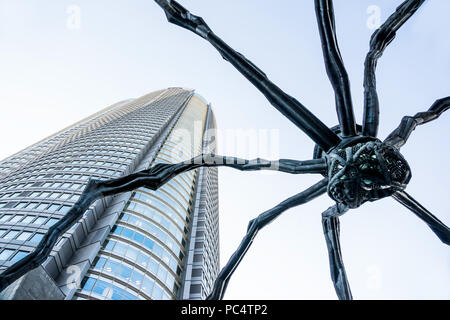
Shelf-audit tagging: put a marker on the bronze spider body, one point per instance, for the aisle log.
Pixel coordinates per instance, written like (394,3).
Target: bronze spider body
(357,166)
(365,172)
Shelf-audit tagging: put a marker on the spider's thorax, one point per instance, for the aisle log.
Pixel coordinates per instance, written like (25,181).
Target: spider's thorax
(365,171)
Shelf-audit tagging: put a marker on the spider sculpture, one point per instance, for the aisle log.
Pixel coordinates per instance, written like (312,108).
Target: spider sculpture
(357,167)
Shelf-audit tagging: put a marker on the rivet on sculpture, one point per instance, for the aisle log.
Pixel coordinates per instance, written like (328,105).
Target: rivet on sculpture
(357,167)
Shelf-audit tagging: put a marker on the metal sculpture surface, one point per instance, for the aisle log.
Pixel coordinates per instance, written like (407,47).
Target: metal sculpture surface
(357,167)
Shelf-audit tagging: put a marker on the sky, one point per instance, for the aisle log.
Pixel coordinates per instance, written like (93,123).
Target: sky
(61,61)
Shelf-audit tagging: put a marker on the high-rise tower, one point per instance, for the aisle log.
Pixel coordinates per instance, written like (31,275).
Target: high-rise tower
(138,245)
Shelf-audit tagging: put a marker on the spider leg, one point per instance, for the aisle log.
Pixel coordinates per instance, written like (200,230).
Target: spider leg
(253,228)
(330,223)
(440,229)
(401,134)
(335,67)
(152,178)
(381,38)
(287,105)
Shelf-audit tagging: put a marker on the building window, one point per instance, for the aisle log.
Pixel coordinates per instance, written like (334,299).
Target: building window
(37,238)
(24,236)
(88,284)
(54,207)
(31,205)
(6,254)
(64,209)
(42,206)
(19,255)
(11,235)
(51,222)
(198,258)
(196,288)
(197,273)
(5,218)
(21,205)
(39,220)
(28,219)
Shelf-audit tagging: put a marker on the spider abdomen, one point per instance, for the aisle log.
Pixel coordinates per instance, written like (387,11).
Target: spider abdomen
(366,171)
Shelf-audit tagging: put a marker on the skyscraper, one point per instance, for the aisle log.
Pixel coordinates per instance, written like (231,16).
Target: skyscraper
(138,245)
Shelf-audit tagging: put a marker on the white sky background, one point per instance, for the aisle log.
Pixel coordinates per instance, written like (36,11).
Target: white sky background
(53,73)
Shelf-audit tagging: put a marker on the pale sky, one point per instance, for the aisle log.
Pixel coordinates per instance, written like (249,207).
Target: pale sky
(61,61)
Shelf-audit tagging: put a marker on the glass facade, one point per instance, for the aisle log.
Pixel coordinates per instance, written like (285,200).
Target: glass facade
(143,253)
(203,264)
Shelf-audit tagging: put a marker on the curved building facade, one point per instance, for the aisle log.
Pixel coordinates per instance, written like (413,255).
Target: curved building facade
(138,245)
